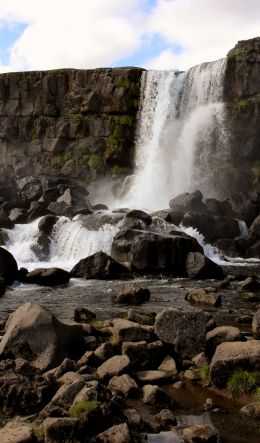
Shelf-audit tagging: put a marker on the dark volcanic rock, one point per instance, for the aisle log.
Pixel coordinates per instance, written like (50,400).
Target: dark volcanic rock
(188,202)
(34,334)
(22,389)
(178,327)
(149,252)
(46,224)
(213,227)
(8,267)
(201,267)
(99,266)
(133,295)
(76,125)
(48,277)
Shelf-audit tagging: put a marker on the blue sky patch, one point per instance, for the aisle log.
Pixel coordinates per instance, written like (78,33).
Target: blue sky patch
(9,33)
(151,47)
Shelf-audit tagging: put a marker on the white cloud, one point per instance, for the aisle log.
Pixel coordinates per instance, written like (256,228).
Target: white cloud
(93,33)
(205,29)
(79,34)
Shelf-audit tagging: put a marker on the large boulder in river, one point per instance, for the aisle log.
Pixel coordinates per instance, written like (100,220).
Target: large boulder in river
(201,267)
(213,227)
(99,266)
(34,334)
(46,224)
(188,202)
(232,356)
(8,267)
(256,325)
(48,277)
(185,330)
(150,252)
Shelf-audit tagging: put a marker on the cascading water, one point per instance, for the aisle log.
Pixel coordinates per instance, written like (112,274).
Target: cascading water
(71,242)
(181,134)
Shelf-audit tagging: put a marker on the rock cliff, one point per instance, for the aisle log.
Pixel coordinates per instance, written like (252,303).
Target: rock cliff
(66,124)
(242,96)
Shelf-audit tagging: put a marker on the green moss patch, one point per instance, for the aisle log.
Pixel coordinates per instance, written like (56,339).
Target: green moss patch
(82,408)
(243,382)
(95,161)
(204,376)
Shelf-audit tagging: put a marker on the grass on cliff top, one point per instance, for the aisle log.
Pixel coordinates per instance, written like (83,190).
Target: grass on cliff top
(243,382)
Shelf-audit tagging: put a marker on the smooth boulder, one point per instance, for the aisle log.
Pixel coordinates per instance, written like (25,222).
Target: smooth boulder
(99,266)
(232,356)
(133,295)
(8,267)
(201,267)
(34,334)
(48,277)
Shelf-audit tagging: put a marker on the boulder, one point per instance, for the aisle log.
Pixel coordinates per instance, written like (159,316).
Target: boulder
(255,227)
(166,418)
(174,217)
(99,266)
(155,396)
(220,335)
(18,216)
(48,277)
(116,434)
(203,296)
(137,219)
(125,330)
(17,431)
(133,295)
(22,389)
(256,325)
(213,227)
(201,267)
(150,252)
(84,315)
(123,384)
(37,210)
(168,365)
(46,224)
(137,352)
(188,202)
(200,434)
(250,284)
(177,327)
(8,267)
(141,316)
(152,377)
(2,286)
(113,366)
(60,429)
(232,356)
(35,334)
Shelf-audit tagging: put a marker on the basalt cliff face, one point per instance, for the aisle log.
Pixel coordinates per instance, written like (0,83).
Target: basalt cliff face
(75,126)
(71,125)
(242,96)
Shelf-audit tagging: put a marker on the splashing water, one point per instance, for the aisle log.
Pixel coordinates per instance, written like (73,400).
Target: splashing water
(71,242)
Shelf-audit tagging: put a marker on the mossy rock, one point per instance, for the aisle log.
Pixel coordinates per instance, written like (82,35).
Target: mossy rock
(83,408)
(95,162)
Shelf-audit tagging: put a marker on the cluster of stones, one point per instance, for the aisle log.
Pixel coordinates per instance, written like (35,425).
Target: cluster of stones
(106,382)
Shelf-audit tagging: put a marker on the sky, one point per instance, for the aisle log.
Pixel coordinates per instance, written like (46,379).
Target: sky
(154,34)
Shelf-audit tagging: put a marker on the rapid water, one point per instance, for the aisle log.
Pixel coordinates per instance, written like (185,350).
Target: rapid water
(71,241)
(181,136)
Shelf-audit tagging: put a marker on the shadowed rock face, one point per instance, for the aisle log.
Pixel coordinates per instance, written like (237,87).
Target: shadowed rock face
(76,124)
(242,96)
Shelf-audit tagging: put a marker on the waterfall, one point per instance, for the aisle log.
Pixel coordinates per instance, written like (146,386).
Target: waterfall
(181,137)
(71,241)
